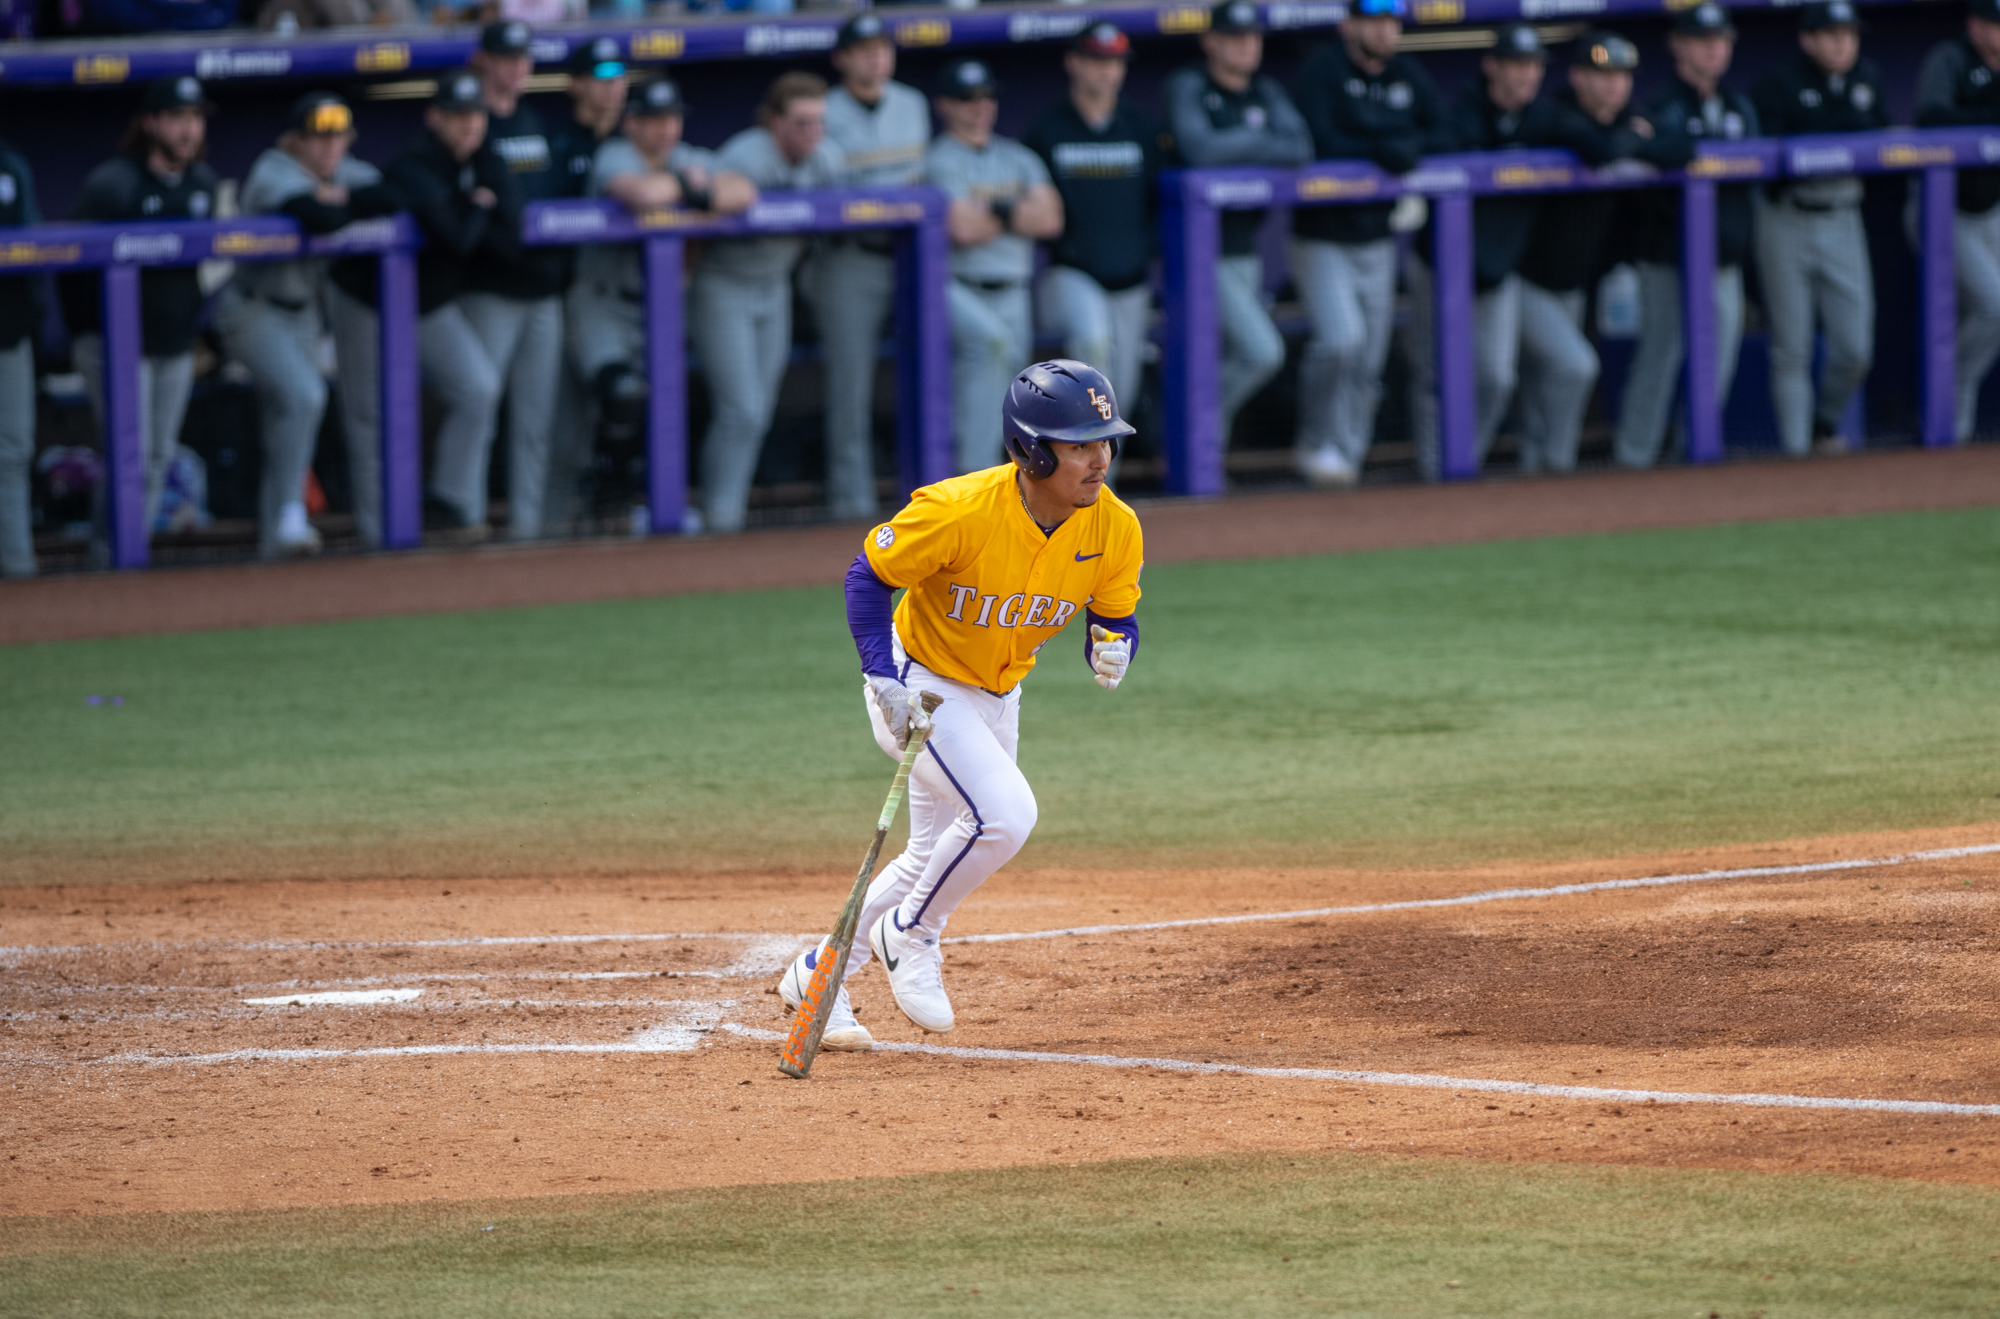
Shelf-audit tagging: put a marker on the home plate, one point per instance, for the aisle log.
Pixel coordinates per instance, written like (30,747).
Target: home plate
(337,996)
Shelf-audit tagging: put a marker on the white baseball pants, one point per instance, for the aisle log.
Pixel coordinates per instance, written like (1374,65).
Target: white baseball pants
(970,807)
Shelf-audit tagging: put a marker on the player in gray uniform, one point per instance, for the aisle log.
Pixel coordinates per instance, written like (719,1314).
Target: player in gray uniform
(740,299)
(1224,112)
(20,315)
(647,168)
(271,319)
(1812,252)
(1001,203)
(1958,86)
(881,127)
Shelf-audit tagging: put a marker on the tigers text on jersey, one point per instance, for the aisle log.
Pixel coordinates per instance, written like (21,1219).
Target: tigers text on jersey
(987,588)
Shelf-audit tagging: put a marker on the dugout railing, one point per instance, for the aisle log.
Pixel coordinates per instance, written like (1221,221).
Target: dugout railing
(1193,200)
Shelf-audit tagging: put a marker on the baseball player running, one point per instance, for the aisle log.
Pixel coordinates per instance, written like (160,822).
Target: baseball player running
(1812,252)
(1959,85)
(882,128)
(995,563)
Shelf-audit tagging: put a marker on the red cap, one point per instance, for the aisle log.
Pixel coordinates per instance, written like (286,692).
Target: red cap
(1102,41)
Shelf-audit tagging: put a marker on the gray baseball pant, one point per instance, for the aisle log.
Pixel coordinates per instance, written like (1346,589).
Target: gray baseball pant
(357,352)
(743,331)
(524,342)
(1105,329)
(991,337)
(1814,268)
(281,349)
(1496,349)
(459,372)
(1252,349)
(164,386)
(1558,371)
(1349,291)
(17,455)
(1975,242)
(853,294)
(1656,361)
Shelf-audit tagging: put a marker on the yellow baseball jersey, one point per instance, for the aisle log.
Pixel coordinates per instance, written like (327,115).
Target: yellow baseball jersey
(986,588)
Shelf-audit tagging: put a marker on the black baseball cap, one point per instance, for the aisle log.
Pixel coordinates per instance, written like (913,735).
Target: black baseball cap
(1518,41)
(967,80)
(175,93)
(321,114)
(656,99)
(1102,41)
(1234,18)
(507,37)
(1606,51)
(598,57)
(1706,19)
(459,92)
(1828,13)
(862,27)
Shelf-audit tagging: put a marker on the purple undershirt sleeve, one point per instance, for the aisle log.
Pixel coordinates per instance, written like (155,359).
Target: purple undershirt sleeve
(870,617)
(1129,625)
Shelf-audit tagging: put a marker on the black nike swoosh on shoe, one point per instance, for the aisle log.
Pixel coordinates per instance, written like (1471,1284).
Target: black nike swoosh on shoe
(888,962)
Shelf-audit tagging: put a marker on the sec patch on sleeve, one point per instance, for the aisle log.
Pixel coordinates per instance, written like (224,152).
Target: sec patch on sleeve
(885,536)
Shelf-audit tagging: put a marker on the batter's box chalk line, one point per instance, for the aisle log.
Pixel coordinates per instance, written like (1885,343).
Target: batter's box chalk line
(1414,1080)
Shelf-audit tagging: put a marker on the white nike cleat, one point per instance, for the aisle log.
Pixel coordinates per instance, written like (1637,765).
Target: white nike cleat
(843,1033)
(295,535)
(916,972)
(1328,467)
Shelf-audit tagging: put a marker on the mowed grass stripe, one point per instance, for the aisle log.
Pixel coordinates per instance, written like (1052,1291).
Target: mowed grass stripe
(1257,1235)
(1560,698)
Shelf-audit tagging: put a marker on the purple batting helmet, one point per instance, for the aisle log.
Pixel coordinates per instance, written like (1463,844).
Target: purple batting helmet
(1059,402)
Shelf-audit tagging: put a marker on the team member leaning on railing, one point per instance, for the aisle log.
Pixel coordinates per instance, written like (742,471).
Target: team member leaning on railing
(20,314)
(158,174)
(1363,101)
(1104,156)
(1959,86)
(1499,112)
(271,321)
(647,168)
(1569,249)
(1224,112)
(463,199)
(1001,202)
(1702,43)
(1812,251)
(740,299)
(882,128)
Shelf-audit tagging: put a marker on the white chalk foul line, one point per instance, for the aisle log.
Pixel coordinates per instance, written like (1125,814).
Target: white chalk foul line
(1493,895)
(1418,1080)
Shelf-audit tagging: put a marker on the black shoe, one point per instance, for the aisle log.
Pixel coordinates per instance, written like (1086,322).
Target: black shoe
(443,520)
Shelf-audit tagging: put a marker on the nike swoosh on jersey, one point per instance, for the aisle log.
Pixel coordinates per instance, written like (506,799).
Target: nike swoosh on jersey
(1081,557)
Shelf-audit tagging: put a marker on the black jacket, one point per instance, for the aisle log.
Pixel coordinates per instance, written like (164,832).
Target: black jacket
(1803,98)
(1109,186)
(170,300)
(1955,89)
(1568,248)
(1500,225)
(534,157)
(1391,118)
(458,235)
(20,307)
(1658,216)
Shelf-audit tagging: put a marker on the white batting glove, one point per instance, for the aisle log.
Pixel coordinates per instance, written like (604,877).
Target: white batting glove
(1110,654)
(899,708)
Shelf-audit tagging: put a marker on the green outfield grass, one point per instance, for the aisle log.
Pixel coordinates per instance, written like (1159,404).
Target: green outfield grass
(1242,1236)
(1573,697)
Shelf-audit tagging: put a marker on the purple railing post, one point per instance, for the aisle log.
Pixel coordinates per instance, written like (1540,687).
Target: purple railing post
(666,385)
(1452,296)
(1190,242)
(402,404)
(1703,407)
(124,439)
(925,451)
(1937,306)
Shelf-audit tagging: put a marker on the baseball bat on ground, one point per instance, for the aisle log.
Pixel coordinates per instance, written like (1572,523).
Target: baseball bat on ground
(816,1005)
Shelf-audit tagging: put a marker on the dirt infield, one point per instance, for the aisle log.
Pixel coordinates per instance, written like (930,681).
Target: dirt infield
(194,599)
(616,1035)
